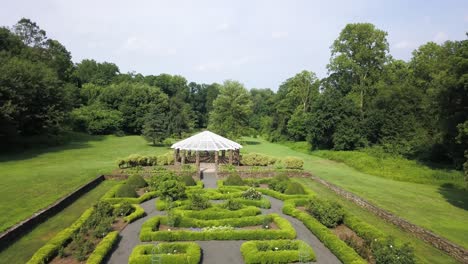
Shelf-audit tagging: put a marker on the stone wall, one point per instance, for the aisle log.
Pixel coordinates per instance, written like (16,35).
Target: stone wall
(441,243)
(27,225)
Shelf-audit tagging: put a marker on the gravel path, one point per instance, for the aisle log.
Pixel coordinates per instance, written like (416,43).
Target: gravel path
(215,252)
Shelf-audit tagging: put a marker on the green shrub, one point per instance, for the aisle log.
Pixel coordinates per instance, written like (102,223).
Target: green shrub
(172,189)
(188,180)
(252,194)
(124,209)
(294,188)
(103,248)
(138,212)
(387,251)
(232,205)
(126,190)
(276,251)
(234,180)
(216,212)
(329,213)
(255,159)
(293,163)
(136,181)
(175,252)
(162,176)
(279,183)
(339,248)
(198,202)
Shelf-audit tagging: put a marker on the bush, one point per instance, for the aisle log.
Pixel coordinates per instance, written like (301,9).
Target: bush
(234,180)
(198,202)
(293,163)
(126,190)
(137,213)
(329,213)
(255,159)
(279,183)
(188,180)
(136,181)
(162,176)
(294,188)
(232,205)
(216,212)
(387,252)
(103,248)
(172,189)
(123,209)
(252,194)
(179,252)
(277,251)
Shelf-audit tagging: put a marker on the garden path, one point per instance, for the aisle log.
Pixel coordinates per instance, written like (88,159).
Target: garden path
(216,252)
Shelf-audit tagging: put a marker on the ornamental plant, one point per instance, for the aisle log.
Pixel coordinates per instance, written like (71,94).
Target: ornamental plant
(329,213)
(252,194)
(199,202)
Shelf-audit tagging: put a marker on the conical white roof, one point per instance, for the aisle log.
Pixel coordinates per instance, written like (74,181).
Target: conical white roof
(206,140)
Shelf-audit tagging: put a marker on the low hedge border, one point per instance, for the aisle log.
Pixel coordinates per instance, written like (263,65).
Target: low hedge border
(110,196)
(138,213)
(103,248)
(216,212)
(161,205)
(142,254)
(262,203)
(339,248)
(49,250)
(199,185)
(299,251)
(149,230)
(269,192)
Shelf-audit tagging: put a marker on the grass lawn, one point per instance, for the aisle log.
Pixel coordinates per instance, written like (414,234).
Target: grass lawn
(430,206)
(22,250)
(34,179)
(424,252)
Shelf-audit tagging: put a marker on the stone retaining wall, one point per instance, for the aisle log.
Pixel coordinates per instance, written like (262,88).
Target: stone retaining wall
(27,225)
(441,243)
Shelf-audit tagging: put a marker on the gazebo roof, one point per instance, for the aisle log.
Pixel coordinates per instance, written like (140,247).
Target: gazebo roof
(206,140)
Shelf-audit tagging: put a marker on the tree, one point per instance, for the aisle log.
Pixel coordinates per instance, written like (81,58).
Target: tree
(97,119)
(231,110)
(358,55)
(303,88)
(30,33)
(155,127)
(90,71)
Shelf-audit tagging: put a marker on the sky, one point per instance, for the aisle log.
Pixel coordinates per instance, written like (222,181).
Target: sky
(259,43)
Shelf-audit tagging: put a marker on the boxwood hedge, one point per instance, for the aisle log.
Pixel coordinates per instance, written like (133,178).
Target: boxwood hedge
(218,213)
(174,252)
(103,248)
(276,251)
(138,213)
(150,232)
(111,198)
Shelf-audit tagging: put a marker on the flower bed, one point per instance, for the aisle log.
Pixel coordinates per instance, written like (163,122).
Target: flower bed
(175,252)
(276,251)
(150,229)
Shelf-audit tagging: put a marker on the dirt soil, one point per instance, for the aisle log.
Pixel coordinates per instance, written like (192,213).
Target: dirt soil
(264,185)
(301,208)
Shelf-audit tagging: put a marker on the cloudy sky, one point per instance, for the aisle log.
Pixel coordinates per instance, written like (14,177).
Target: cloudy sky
(260,43)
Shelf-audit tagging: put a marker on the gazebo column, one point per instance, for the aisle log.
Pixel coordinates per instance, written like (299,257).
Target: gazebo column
(197,162)
(223,153)
(189,153)
(182,160)
(216,158)
(230,156)
(176,156)
(238,156)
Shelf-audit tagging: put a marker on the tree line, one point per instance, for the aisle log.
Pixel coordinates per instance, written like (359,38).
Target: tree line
(418,108)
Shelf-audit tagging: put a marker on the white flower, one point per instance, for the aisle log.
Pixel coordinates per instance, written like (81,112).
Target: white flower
(266,227)
(391,246)
(276,248)
(175,251)
(168,229)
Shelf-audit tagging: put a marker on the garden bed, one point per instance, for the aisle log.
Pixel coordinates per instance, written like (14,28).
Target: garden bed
(277,251)
(166,253)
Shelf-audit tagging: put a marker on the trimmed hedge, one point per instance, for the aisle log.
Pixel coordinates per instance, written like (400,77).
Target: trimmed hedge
(161,204)
(256,159)
(293,163)
(103,248)
(49,250)
(149,230)
(190,253)
(218,213)
(136,181)
(138,213)
(281,196)
(339,248)
(276,251)
(110,197)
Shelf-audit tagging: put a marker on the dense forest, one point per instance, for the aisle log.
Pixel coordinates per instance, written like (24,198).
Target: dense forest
(417,109)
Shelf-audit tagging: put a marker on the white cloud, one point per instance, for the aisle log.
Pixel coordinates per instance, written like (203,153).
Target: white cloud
(440,37)
(279,34)
(223,27)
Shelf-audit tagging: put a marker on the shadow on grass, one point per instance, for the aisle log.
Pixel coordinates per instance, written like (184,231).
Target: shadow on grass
(249,142)
(30,148)
(456,196)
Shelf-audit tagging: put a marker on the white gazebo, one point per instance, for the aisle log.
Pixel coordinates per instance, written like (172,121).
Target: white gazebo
(206,141)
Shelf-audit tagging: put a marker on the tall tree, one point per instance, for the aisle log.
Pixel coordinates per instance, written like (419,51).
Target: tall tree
(358,56)
(231,110)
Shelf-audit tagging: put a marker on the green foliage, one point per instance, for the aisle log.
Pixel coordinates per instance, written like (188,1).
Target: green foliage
(126,190)
(123,209)
(279,183)
(103,248)
(188,180)
(255,159)
(136,181)
(294,188)
(172,189)
(252,194)
(199,202)
(388,252)
(329,213)
(180,252)
(293,163)
(218,212)
(232,205)
(277,251)
(234,180)
(97,119)
(231,110)
(138,212)
(160,177)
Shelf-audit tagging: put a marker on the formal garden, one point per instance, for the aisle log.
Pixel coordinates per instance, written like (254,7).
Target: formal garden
(161,212)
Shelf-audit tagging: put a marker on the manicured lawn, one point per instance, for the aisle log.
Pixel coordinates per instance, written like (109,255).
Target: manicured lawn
(424,252)
(426,205)
(32,180)
(22,250)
